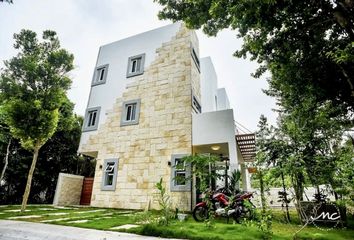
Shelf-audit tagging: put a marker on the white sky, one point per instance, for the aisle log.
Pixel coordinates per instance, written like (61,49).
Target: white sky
(84,25)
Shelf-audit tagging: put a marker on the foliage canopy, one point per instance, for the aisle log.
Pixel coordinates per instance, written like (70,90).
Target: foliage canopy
(33,86)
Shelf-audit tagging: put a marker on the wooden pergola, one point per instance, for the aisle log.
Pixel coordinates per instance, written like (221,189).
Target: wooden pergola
(247,145)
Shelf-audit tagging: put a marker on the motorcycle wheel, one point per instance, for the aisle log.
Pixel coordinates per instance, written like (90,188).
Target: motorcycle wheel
(242,213)
(200,213)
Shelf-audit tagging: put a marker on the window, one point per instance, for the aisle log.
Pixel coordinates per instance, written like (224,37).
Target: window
(130,112)
(91,119)
(196,105)
(136,65)
(109,176)
(100,75)
(195,58)
(180,174)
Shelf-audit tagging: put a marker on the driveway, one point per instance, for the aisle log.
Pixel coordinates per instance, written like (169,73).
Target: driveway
(16,230)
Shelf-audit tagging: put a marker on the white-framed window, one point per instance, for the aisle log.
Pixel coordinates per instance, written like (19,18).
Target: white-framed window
(100,75)
(130,112)
(180,174)
(109,176)
(91,119)
(136,65)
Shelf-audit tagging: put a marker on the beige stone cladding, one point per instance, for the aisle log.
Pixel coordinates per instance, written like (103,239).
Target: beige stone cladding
(165,128)
(68,190)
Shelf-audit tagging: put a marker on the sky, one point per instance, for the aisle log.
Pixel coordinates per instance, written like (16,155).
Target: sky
(84,25)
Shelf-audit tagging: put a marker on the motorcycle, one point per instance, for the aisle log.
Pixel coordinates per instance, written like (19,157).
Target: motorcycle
(245,209)
(237,207)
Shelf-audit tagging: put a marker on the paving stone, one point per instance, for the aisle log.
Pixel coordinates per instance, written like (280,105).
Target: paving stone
(65,208)
(126,226)
(54,220)
(56,214)
(91,211)
(25,217)
(47,209)
(16,210)
(79,221)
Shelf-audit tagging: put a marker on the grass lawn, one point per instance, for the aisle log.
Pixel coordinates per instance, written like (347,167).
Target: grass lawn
(105,219)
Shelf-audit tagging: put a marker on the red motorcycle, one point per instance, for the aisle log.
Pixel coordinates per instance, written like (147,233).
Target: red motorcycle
(224,206)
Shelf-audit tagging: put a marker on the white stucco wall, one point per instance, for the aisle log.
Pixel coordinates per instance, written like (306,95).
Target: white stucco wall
(116,54)
(216,127)
(208,85)
(223,99)
(212,97)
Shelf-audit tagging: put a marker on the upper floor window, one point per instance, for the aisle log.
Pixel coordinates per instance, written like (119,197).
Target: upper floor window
(91,119)
(100,75)
(136,65)
(196,105)
(109,177)
(195,58)
(131,111)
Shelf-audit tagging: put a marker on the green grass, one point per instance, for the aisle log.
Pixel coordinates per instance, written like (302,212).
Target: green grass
(187,230)
(193,230)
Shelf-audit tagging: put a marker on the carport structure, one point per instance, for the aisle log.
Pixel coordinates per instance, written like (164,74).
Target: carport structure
(246,151)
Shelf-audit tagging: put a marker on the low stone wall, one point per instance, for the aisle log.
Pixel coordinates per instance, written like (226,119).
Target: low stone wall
(68,190)
(272,196)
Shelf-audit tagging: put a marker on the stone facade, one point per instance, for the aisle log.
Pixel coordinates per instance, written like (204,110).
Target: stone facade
(165,128)
(68,190)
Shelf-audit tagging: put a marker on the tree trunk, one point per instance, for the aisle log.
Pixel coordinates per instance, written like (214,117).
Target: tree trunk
(285,197)
(262,189)
(6,161)
(29,178)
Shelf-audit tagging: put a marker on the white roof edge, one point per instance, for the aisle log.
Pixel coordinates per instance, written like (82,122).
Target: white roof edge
(147,32)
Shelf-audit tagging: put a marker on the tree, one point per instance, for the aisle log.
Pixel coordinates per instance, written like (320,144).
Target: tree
(304,44)
(5,137)
(33,87)
(58,154)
